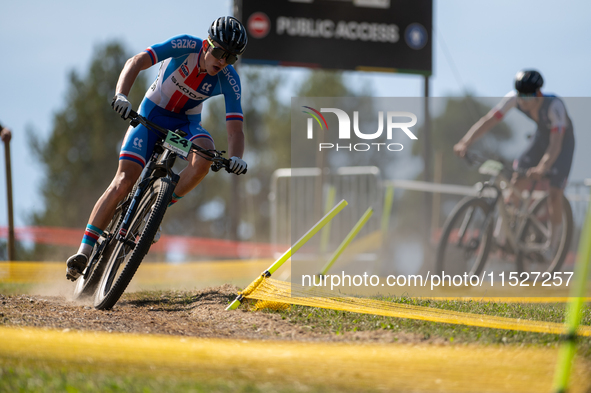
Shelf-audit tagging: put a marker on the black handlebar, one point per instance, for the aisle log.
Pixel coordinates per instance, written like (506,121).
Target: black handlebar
(215,156)
(476,159)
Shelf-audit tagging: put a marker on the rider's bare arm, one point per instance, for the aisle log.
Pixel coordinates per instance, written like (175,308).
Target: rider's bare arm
(486,123)
(131,70)
(482,126)
(235,138)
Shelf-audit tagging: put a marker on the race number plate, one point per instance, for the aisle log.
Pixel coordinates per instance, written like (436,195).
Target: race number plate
(177,144)
(491,167)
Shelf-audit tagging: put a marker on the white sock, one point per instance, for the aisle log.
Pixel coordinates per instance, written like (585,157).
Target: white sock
(85,249)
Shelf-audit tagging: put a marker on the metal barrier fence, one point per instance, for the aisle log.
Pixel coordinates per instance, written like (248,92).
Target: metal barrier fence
(294,193)
(294,198)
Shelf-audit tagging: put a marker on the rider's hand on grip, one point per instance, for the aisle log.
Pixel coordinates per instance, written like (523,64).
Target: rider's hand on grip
(237,165)
(460,149)
(121,105)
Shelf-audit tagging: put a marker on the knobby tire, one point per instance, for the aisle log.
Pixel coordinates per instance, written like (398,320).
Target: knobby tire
(567,225)
(458,215)
(158,195)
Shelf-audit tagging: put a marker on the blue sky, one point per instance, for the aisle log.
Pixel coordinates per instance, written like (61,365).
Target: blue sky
(479,46)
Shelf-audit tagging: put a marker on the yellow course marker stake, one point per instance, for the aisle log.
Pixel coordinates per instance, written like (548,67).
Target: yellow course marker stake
(568,348)
(388,200)
(347,240)
(297,245)
(325,235)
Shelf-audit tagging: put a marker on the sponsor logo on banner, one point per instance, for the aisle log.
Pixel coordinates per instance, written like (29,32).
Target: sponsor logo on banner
(416,36)
(258,25)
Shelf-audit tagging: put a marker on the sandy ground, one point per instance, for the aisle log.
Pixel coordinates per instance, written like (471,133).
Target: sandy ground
(184,313)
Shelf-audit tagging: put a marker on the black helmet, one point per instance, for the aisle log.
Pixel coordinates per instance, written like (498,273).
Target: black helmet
(528,81)
(229,33)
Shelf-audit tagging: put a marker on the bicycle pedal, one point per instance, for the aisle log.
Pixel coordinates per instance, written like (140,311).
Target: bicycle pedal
(72,275)
(75,266)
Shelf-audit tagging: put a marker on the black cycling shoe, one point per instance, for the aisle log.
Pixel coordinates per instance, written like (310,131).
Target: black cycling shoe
(75,266)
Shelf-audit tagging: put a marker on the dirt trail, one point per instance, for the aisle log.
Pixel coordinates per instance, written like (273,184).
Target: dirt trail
(187,313)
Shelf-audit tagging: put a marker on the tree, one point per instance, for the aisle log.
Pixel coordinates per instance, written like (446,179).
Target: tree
(446,130)
(81,155)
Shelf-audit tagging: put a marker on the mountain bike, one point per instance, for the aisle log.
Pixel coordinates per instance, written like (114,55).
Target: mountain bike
(127,239)
(484,223)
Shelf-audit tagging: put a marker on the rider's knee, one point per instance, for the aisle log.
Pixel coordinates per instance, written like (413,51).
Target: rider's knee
(200,168)
(121,186)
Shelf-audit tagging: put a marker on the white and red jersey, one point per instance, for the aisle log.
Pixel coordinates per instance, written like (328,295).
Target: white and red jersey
(181,88)
(552,116)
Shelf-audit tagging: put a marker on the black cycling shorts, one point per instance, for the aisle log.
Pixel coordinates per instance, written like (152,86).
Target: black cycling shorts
(560,169)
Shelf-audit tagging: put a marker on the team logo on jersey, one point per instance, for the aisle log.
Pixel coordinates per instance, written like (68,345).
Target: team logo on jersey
(185,90)
(137,143)
(205,87)
(232,81)
(183,43)
(184,70)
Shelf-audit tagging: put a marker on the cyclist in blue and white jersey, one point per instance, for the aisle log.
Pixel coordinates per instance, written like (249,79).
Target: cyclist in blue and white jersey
(551,149)
(192,70)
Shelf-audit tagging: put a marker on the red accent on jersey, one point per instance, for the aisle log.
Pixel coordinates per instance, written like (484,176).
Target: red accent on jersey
(135,158)
(193,81)
(152,55)
(172,104)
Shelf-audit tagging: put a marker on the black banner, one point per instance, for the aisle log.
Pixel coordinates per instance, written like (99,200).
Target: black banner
(388,36)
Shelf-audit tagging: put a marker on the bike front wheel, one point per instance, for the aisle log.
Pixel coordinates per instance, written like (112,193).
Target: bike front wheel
(535,238)
(466,238)
(128,254)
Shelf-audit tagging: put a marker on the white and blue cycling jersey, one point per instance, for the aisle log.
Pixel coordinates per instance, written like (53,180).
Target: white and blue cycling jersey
(175,99)
(180,86)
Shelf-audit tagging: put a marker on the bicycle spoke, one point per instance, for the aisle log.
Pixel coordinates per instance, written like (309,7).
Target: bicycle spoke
(465,241)
(543,229)
(464,226)
(536,254)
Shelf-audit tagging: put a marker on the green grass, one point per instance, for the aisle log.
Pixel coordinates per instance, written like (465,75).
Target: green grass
(33,377)
(338,322)
(43,378)
(15,289)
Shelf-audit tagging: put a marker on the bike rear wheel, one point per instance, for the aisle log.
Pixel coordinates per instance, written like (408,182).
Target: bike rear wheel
(535,235)
(465,243)
(126,256)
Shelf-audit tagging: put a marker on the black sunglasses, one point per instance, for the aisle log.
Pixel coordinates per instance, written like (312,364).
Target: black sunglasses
(220,53)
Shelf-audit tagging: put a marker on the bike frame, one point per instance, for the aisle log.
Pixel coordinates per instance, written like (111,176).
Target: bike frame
(498,184)
(160,165)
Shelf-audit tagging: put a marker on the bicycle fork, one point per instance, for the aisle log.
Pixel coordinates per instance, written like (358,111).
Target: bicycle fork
(468,219)
(160,169)
(519,218)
